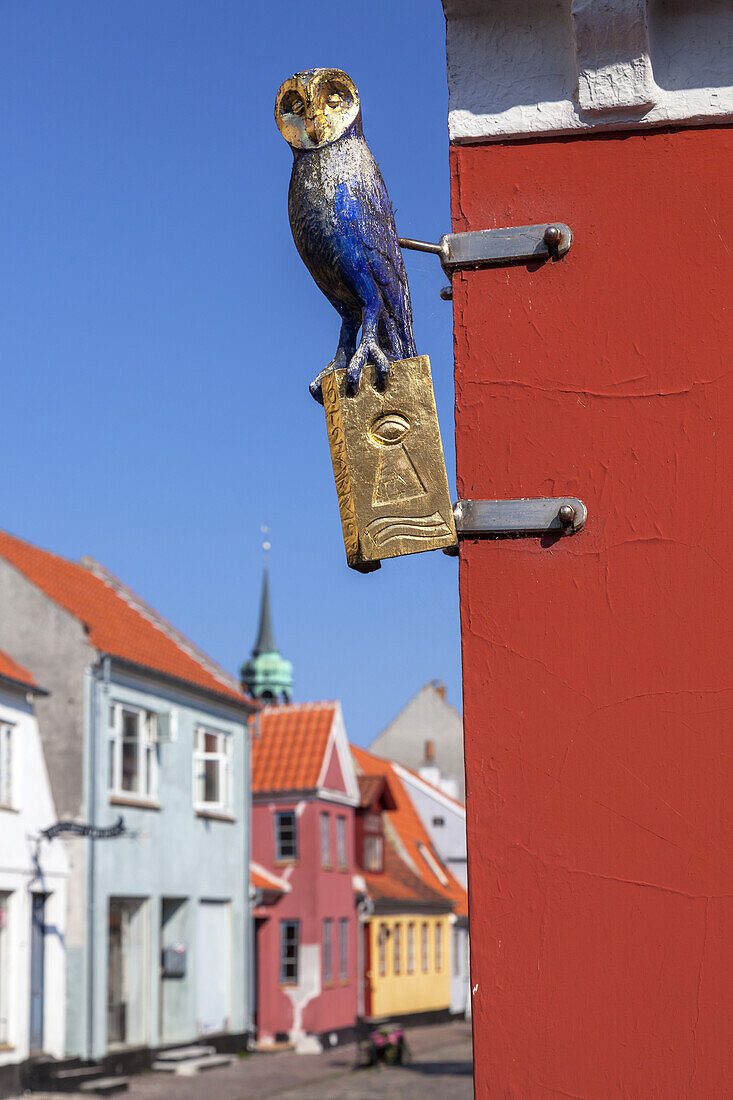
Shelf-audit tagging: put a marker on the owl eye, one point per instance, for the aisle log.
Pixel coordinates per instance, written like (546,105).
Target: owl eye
(390,429)
(334,99)
(297,106)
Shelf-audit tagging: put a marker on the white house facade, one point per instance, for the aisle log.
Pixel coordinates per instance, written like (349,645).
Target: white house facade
(33,879)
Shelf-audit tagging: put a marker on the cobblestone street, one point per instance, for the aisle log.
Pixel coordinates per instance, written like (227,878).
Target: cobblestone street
(441,1067)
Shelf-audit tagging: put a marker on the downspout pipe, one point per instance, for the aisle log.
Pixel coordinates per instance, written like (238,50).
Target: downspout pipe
(100,675)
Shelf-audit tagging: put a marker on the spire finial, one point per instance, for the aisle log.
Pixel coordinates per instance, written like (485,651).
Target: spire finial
(266,545)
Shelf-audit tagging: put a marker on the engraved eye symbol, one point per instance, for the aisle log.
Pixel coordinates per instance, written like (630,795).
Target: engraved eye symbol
(390,429)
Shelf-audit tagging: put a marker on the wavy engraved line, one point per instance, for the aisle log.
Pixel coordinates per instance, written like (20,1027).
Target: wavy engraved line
(390,528)
(421,536)
(417,521)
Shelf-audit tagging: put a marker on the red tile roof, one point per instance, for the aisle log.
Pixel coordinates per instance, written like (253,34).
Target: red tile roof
(411,833)
(118,623)
(262,879)
(11,670)
(289,745)
(397,882)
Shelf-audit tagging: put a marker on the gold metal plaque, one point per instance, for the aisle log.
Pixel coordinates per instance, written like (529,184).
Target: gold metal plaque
(388,464)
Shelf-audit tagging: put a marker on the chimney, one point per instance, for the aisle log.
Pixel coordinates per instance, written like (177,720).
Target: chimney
(439,688)
(429,752)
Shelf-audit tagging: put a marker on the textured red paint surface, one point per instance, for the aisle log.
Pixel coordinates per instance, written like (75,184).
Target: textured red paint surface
(597,670)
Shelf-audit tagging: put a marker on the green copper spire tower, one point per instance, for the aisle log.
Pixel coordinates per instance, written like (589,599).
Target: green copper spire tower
(267,675)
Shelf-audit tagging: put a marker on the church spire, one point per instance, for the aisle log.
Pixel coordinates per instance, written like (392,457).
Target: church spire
(265,641)
(267,675)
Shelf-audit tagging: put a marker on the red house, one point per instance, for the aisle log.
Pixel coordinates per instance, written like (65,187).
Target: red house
(304,794)
(596,669)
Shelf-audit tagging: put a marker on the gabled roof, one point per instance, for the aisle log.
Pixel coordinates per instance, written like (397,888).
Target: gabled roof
(292,747)
(11,670)
(373,787)
(118,622)
(409,775)
(399,883)
(411,836)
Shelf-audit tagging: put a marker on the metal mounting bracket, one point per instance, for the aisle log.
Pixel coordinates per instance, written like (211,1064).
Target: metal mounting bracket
(490,247)
(507,518)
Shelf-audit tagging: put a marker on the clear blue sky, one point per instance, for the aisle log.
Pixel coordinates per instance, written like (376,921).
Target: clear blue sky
(158,329)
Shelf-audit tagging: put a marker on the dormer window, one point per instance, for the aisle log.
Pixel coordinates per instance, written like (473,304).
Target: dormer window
(373,852)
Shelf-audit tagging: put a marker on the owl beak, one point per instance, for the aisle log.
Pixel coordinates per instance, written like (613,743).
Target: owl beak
(314,127)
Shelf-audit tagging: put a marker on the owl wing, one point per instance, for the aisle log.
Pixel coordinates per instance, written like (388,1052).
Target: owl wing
(364,203)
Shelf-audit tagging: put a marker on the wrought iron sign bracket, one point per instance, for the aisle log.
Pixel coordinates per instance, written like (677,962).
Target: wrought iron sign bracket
(493,247)
(517,518)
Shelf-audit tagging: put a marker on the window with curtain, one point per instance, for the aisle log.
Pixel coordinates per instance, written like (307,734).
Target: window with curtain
(397,949)
(382,944)
(343,949)
(325,840)
(6,765)
(341,842)
(411,948)
(327,950)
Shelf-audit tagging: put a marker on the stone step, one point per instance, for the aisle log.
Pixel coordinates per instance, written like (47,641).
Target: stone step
(199,1065)
(77,1073)
(183,1054)
(105,1086)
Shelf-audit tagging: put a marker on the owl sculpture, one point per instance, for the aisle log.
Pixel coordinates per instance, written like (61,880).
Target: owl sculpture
(343,225)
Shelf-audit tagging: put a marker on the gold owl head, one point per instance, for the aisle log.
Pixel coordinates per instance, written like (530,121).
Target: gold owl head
(316,107)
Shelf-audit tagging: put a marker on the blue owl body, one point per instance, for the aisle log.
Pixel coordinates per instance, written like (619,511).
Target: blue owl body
(343,226)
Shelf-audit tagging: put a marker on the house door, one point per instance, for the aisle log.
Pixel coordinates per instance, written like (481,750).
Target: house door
(126,972)
(174,999)
(38,969)
(213,967)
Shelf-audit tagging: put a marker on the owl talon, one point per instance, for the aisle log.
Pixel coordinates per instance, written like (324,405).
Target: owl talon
(353,381)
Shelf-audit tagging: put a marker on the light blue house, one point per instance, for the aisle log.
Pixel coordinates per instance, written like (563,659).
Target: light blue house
(138,723)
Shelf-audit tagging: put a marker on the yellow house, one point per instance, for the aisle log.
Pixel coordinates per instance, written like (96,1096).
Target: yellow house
(406,923)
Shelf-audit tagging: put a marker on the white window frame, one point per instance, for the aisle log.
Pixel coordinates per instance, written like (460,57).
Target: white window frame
(373,852)
(411,948)
(397,949)
(279,856)
(147,753)
(222,757)
(289,938)
(343,948)
(382,934)
(341,842)
(327,950)
(325,825)
(8,756)
(4,975)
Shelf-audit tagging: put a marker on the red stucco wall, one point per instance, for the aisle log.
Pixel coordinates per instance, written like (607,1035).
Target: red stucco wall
(597,669)
(316,893)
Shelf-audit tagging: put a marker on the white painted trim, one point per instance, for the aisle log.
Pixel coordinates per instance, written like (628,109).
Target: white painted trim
(337,740)
(275,880)
(522,67)
(410,777)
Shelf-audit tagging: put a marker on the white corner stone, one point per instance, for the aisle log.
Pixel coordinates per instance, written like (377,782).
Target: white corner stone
(612,55)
